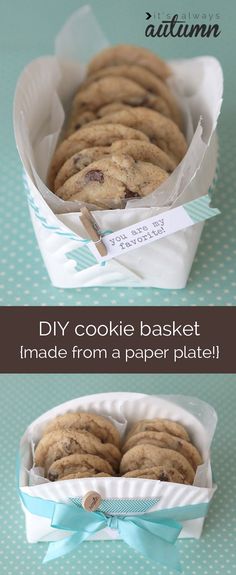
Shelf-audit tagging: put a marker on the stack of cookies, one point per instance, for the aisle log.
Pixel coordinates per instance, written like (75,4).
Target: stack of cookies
(77,445)
(160,449)
(124,133)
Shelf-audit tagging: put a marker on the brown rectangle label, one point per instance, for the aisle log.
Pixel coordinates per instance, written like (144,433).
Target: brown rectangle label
(119,339)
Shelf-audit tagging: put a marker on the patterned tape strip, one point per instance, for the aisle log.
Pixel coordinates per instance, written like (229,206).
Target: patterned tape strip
(199,209)
(56,229)
(122,506)
(82,257)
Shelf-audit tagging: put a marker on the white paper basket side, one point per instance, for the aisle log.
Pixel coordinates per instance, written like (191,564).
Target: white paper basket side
(171,495)
(44,88)
(125,408)
(165,263)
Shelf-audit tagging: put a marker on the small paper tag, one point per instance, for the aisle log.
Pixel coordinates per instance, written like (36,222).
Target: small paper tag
(91,501)
(155,228)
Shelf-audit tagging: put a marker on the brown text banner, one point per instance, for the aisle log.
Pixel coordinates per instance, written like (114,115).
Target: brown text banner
(118,339)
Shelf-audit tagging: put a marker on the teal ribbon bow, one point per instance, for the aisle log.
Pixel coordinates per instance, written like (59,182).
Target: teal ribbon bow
(152,534)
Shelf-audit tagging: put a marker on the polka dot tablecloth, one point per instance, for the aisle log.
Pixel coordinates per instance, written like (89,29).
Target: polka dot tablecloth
(28,33)
(25,397)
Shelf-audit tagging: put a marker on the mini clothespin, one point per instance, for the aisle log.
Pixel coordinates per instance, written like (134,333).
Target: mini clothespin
(93,230)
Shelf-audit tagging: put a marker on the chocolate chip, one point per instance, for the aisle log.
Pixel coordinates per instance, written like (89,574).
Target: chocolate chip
(80,161)
(77,126)
(52,476)
(94,176)
(163,477)
(129,194)
(76,159)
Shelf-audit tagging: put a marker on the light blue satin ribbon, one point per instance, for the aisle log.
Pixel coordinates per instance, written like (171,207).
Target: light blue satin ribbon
(152,534)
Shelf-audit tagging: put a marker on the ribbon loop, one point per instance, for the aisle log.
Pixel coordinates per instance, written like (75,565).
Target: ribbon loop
(153,534)
(113,522)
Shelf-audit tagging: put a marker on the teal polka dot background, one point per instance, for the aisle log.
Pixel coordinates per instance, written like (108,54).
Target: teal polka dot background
(28,29)
(25,397)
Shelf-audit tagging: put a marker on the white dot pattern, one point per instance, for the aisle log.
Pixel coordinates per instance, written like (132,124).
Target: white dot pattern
(25,397)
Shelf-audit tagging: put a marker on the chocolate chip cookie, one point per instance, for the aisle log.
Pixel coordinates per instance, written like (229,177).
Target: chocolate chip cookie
(149,81)
(58,444)
(84,474)
(108,90)
(146,152)
(160,473)
(138,150)
(98,425)
(163,439)
(87,137)
(129,54)
(116,178)
(79,161)
(78,463)
(160,130)
(144,456)
(164,425)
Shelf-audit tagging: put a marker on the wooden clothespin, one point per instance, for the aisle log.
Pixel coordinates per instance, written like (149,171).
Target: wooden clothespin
(93,230)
